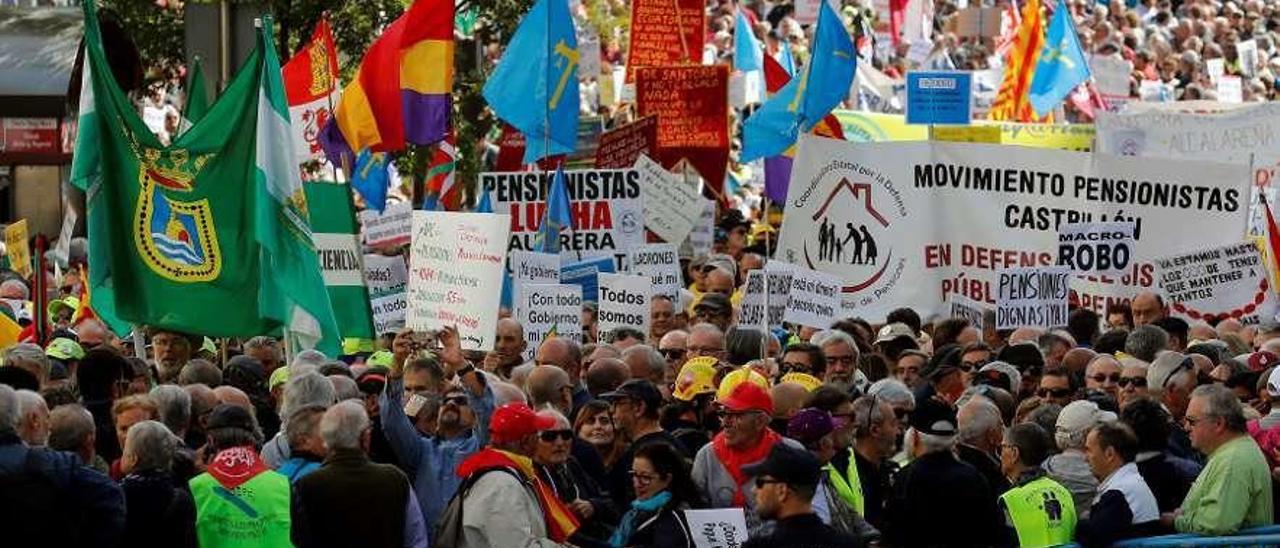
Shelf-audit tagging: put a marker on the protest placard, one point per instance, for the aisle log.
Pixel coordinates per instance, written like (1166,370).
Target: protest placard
(963,307)
(585,274)
(720,528)
(623,302)
(665,33)
(967,134)
(1230,89)
(546,309)
(692,106)
(753,311)
(1217,283)
(589,58)
(671,207)
(620,147)
(939,97)
(18,247)
(1112,77)
(1216,68)
(534,267)
(1247,53)
(606,208)
(851,206)
(69,218)
(389,228)
(456,263)
(977,21)
(387,278)
(1096,249)
(1154,91)
(814,300)
(778,280)
(1246,135)
(702,236)
(746,88)
(661,263)
(1032,297)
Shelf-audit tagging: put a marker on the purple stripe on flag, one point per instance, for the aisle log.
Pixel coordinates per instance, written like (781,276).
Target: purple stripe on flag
(426,116)
(777,177)
(335,145)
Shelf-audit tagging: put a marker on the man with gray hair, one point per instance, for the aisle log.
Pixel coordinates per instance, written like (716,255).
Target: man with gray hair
(308,388)
(306,447)
(981,434)
(266,350)
(32,510)
(960,505)
(31,358)
(198,371)
(1145,342)
(1170,380)
(1070,467)
(33,419)
(645,363)
(174,405)
(1233,492)
(16,290)
(322,499)
(71,429)
(307,361)
(549,385)
(160,511)
(841,353)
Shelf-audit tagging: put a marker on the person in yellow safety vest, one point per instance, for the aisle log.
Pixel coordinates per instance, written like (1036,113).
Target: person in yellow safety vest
(1038,510)
(866,437)
(816,429)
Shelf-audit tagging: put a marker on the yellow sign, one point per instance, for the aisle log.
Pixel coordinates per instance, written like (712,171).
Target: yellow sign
(16,245)
(874,127)
(967,134)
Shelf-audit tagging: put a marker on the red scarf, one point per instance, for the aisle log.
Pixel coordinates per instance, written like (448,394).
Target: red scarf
(734,459)
(235,466)
(561,522)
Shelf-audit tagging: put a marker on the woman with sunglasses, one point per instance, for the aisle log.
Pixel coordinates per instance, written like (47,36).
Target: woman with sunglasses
(559,470)
(664,490)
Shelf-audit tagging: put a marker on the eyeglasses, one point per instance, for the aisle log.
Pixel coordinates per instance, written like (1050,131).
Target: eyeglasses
(1192,421)
(969,366)
(1053,392)
(672,353)
(459,401)
(1114,377)
(1137,382)
(788,367)
(642,478)
(726,415)
(550,436)
(763,481)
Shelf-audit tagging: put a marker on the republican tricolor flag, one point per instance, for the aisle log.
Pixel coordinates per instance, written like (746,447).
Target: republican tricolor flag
(311,88)
(401,91)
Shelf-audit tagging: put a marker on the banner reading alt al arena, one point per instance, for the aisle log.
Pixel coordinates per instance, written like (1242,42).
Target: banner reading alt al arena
(912,224)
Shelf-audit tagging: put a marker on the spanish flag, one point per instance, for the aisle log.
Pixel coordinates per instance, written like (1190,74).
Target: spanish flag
(401,93)
(1012,102)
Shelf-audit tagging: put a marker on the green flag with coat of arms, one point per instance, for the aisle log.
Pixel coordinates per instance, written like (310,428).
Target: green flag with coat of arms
(210,234)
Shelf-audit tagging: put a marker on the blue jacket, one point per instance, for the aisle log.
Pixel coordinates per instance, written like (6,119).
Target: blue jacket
(92,496)
(432,463)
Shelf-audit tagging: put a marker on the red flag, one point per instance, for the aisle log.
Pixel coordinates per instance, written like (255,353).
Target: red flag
(310,84)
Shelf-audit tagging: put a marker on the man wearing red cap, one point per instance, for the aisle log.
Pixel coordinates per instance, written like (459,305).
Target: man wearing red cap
(504,503)
(745,439)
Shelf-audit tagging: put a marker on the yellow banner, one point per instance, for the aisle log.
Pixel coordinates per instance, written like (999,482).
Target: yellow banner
(17,247)
(870,127)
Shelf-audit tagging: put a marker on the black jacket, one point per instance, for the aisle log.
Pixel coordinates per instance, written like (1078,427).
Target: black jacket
(618,482)
(665,528)
(1111,520)
(323,502)
(802,531)
(571,482)
(987,465)
(876,482)
(158,512)
(953,496)
(1169,479)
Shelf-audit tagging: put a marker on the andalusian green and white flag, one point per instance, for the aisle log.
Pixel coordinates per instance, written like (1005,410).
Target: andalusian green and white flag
(336,234)
(197,99)
(208,235)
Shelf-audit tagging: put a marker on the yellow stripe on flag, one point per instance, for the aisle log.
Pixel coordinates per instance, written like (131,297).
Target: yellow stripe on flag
(420,69)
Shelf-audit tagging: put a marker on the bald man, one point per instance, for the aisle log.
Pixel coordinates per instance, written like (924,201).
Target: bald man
(566,355)
(231,395)
(549,385)
(1077,359)
(1147,307)
(1026,334)
(605,375)
(508,348)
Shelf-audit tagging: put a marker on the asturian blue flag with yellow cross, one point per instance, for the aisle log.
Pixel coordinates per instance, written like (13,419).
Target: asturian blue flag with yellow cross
(1062,64)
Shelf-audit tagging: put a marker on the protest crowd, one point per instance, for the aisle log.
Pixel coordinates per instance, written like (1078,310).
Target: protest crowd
(672,346)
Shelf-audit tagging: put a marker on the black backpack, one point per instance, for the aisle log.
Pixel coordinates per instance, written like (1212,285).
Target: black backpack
(448,530)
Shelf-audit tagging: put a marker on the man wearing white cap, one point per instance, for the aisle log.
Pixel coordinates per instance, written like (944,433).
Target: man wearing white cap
(1071,467)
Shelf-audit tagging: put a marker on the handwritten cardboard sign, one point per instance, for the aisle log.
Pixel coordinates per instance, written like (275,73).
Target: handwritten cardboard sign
(1032,297)
(545,309)
(1096,249)
(1217,283)
(387,278)
(692,106)
(18,246)
(619,147)
(671,206)
(814,299)
(455,265)
(661,263)
(389,228)
(720,528)
(664,33)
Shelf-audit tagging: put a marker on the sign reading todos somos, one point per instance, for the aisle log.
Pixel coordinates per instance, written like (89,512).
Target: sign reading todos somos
(455,270)
(606,209)
(624,302)
(909,224)
(1217,283)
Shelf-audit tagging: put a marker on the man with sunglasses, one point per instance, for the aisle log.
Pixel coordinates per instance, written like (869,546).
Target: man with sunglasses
(462,425)
(1133,381)
(1103,373)
(1170,380)
(636,405)
(785,484)
(1057,386)
(805,358)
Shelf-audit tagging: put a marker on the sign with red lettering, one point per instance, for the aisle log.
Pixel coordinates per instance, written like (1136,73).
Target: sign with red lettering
(36,135)
(620,147)
(692,106)
(606,206)
(665,32)
(455,263)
